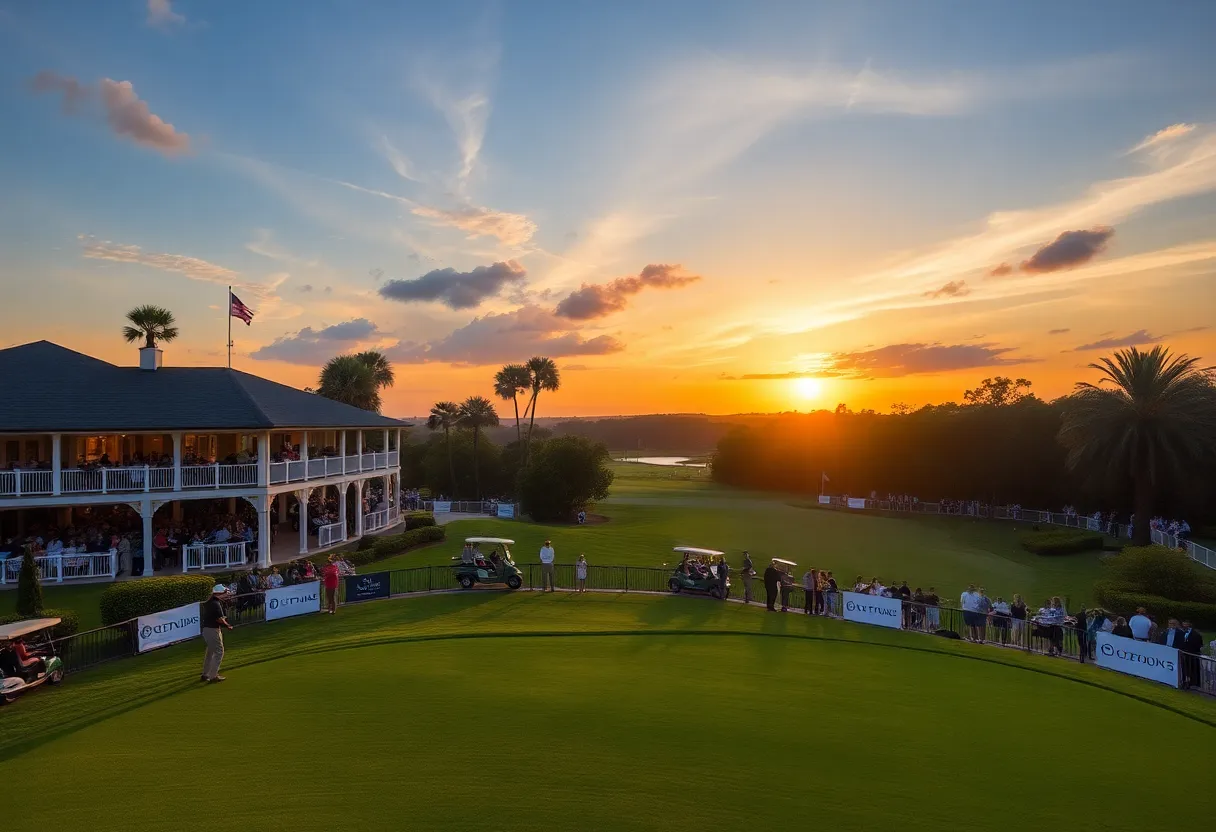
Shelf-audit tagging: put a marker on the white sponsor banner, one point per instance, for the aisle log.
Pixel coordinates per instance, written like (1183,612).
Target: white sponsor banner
(287,601)
(872,609)
(857,502)
(1138,658)
(161,628)
(441,505)
(825,500)
(506,510)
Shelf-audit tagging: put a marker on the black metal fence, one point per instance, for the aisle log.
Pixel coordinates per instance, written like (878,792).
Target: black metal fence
(94,647)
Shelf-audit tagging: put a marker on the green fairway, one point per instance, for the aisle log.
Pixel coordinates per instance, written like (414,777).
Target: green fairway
(626,712)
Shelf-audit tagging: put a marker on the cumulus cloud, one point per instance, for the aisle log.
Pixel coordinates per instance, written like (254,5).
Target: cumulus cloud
(1070,249)
(1136,338)
(511,229)
(1001,270)
(73,93)
(599,300)
(162,16)
(953,289)
(125,112)
(1163,136)
(897,360)
(456,290)
(494,338)
(314,346)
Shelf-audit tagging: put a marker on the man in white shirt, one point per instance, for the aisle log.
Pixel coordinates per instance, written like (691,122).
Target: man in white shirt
(546,566)
(1141,625)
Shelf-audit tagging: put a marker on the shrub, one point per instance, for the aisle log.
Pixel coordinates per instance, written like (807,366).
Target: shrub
(564,475)
(372,549)
(29,588)
(68,625)
(1061,541)
(1124,601)
(131,599)
(1161,571)
(418,521)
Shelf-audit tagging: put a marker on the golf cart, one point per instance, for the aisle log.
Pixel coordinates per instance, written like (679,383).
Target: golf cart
(16,678)
(477,567)
(695,572)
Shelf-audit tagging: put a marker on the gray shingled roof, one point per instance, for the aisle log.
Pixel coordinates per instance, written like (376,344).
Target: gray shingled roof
(46,388)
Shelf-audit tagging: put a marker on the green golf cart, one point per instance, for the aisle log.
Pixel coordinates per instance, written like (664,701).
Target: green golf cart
(17,676)
(696,572)
(494,567)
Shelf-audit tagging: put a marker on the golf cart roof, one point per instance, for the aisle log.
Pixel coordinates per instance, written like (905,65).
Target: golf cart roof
(501,540)
(25,628)
(693,550)
(784,562)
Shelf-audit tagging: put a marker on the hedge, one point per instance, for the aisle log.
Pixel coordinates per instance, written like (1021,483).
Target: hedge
(131,599)
(1062,541)
(420,520)
(68,625)
(387,545)
(1124,600)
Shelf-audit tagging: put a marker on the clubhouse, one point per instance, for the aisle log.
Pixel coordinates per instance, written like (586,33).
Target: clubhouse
(109,470)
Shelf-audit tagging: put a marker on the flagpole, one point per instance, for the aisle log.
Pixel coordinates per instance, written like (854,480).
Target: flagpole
(229,305)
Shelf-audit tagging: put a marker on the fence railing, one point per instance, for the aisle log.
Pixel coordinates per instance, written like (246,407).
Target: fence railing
(489,507)
(60,568)
(314,468)
(375,520)
(1200,554)
(201,556)
(120,640)
(330,534)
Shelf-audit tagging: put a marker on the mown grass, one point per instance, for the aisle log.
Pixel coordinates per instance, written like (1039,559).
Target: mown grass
(523,711)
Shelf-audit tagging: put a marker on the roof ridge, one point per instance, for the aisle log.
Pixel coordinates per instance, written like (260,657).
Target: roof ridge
(236,376)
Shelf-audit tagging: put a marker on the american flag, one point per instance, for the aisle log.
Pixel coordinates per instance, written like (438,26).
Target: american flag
(237,309)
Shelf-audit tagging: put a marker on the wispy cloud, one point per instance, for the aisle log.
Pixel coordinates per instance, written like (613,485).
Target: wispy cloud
(511,229)
(456,290)
(1163,136)
(953,289)
(162,16)
(599,300)
(494,338)
(265,245)
(192,267)
(896,360)
(403,167)
(1059,331)
(1136,338)
(126,113)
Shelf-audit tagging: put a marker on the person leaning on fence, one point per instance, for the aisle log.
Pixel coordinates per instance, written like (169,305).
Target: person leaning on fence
(546,566)
(749,572)
(212,619)
(933,612)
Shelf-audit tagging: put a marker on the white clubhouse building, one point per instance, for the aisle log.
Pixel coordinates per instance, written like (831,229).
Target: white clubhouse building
(80,435)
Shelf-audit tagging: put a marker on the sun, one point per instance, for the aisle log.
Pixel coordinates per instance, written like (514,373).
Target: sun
(808,388)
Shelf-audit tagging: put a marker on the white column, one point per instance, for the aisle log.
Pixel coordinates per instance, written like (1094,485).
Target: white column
(264,531)
(359,448)
(345,490)
(342,447)
(177,461)
(263,459)
(359,506)
(304,453)
(56,463)
(145,510)
(385,449)
(302,498)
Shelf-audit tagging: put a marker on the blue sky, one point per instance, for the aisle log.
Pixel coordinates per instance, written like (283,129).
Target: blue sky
(838,185)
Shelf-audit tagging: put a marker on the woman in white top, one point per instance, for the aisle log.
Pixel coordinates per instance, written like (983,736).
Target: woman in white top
(580,572)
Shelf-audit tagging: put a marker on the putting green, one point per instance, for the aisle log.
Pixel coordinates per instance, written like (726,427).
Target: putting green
(545,729)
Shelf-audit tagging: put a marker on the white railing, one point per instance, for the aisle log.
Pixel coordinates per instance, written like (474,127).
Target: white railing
(394,515)
(220,476)
(213,556)
(394,459)
(1200,554)
(330,534)
(22,483)
(297,470)
(60,568)
(316,469)
(351,463)
(368,463)
(278,472)
(375,520)
(334,466)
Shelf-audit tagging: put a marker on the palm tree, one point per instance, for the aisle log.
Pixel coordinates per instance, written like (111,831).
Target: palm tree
(477,412)
(543,375)
(151,323)
(1150,420)
(445,416)
(356,379)
(509,382)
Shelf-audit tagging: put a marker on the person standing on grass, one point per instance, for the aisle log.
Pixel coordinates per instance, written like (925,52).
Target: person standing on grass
(1082,627)
(330,575)
(809,580)
(772,577)
(830,594)
(1192,644)
(211,617)
(546,566)
(1141,624)
(933,610)
(723,572)
(580,572)
(749,572)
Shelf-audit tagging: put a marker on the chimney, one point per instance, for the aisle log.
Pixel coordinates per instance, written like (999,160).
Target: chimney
(149,358)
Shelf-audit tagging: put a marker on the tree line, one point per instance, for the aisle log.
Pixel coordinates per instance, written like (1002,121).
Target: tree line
(1143,441)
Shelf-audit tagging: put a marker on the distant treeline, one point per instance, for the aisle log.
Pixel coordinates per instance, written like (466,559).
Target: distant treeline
(1002,454)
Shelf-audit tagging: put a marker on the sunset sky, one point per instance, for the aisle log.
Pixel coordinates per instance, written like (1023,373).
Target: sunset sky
(691,207)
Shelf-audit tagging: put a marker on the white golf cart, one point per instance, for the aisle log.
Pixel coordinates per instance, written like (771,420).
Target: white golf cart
(17,677)
(475,566)
(696,572)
